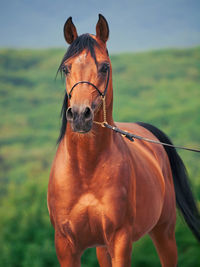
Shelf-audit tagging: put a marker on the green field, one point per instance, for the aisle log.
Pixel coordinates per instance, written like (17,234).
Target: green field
(159,87)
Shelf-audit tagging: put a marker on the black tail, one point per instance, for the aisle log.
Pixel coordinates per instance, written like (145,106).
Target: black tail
(184,197)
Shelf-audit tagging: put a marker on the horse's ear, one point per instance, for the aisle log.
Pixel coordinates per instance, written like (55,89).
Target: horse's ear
(102,29)
(70,32)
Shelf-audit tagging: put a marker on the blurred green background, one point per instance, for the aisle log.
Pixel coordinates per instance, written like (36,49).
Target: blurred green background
(161,87)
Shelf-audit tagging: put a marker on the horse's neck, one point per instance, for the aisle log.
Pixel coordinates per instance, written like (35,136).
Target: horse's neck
(85,150)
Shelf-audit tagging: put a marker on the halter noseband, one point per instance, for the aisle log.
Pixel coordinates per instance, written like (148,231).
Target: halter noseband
(100,93)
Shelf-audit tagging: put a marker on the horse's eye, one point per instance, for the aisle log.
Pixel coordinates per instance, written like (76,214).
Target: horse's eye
(65,69)
(104,68)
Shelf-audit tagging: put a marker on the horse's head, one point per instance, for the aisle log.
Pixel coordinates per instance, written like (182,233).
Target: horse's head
(87,70)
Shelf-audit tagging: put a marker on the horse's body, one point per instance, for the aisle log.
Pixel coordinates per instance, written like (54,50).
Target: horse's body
(104,190)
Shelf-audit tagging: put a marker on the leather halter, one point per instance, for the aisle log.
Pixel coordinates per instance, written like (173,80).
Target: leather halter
(100,93)
(123,133)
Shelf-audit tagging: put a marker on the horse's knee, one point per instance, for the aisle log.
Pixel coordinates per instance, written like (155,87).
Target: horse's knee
(103,257)
(121,248)
(67,255)
(164,240)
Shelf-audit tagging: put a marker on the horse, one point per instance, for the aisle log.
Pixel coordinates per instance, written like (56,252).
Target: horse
(105,191)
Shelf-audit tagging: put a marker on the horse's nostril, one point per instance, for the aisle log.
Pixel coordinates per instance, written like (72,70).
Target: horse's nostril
(87,113)
(69,114)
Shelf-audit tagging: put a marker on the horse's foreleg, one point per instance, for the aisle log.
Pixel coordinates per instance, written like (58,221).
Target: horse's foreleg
(164,240)
(121,249)
(103,257)
(66,256)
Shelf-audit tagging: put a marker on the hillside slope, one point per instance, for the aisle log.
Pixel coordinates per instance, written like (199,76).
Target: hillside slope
(159,87)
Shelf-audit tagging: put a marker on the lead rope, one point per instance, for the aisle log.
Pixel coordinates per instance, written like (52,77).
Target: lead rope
(131,136)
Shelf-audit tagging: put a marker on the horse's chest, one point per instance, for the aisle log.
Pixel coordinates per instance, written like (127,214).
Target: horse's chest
(92,220)
(86,211)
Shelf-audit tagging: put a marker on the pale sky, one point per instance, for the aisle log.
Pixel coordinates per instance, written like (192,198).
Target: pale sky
(135,25)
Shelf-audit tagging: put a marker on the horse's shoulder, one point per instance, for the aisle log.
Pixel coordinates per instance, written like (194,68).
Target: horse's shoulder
(135,129)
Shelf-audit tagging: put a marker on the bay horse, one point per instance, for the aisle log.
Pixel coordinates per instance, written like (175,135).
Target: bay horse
(105,191)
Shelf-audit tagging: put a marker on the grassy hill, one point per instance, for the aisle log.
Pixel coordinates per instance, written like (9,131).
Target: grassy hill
(159,87)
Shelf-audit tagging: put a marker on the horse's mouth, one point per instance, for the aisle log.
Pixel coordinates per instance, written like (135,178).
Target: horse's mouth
(81,128)
(82,132)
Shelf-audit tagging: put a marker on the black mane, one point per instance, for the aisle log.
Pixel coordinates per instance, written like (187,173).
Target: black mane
(83,42)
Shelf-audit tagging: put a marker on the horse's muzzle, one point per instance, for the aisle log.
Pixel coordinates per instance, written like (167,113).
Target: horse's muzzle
(80,118)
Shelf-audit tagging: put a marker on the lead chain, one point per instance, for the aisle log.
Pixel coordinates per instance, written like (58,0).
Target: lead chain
(104,113)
